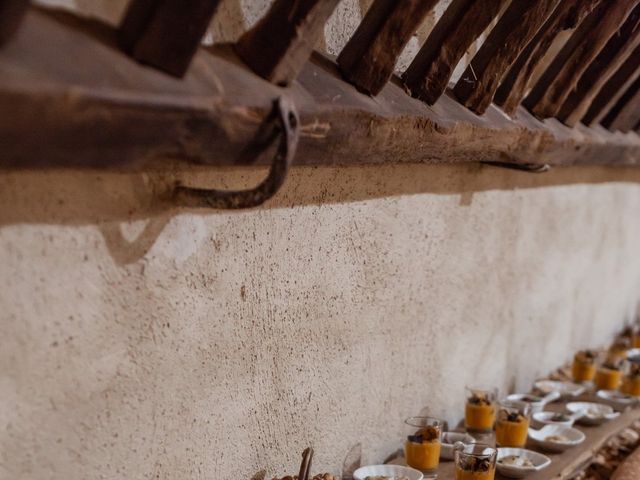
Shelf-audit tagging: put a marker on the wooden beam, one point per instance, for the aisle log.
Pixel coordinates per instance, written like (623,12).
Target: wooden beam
(11,15)
(518,24)
(617,50)
(279,45)
(370,56)
(562,75)
(461,24)
(166,33)
(615,87)
(567,15)
(104,111)
(625,114)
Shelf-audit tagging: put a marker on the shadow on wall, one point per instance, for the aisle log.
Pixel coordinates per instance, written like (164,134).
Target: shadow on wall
(106,199)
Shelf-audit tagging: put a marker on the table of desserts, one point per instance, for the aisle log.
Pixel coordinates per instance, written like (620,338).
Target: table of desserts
(563,465)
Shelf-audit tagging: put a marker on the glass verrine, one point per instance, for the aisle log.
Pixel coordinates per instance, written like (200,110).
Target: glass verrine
(475,461)
(422,444)
(583,368)
(512,424)
(609,374)
(480,409)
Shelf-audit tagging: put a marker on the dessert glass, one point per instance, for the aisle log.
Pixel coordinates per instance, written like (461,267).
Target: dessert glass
(584,366)
(512,425)
(422,447)
(609,374)
(631,381)
(475,461)
(480,409)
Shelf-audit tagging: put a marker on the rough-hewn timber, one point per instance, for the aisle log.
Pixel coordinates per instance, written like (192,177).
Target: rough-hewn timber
(461,24)
(617,50)
(563,74)
(279,45)
(166,33)
(104,110)
(11,14)
(368,59)
(567,15)
(625,114)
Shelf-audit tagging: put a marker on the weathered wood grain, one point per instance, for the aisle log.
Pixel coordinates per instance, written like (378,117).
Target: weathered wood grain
(563,74)
(370,56)
(11,14)
(625,114)
(166,33)
(615,87)
(518,24)
(567,15)
(104,111)
(617,50)
(278,46)
(461,24)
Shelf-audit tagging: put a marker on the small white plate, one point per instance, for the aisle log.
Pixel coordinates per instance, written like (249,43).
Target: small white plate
(541,419)
(574,437)
(387,471)
(616,399)
(566,389)
(594,413)
(448,439)
(538,460)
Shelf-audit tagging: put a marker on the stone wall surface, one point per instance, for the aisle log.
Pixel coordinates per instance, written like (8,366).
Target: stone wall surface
(140,341)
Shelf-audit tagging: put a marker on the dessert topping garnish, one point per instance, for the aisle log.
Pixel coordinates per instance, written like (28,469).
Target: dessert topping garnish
(516,461)
(479,399)
(475,464)
(507,416)
(425,434)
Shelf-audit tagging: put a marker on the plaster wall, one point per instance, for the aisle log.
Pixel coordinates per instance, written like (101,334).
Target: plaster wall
(139,341)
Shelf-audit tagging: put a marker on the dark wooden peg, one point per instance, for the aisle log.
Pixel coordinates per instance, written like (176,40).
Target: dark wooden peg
(166,33)
(11,14)
(279,45)
(370,56)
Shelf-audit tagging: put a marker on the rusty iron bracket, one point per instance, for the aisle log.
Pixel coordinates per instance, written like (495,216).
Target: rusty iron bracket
(523,167)
(283,122)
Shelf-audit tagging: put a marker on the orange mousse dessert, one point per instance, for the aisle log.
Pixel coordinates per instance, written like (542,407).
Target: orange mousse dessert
(584,366)
(422,448)
(631,382)
(480,411)
(609,375)
(475,462)
(512,426)
(618,351)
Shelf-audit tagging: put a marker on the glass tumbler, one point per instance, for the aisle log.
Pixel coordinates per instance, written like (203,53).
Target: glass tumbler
(480,409)
(475,461)
(422,445)
(512,425)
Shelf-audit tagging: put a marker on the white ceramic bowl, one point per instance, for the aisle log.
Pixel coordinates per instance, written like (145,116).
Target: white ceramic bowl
(538,460)
(574,437)
(448,439)
(594,413)
(566,389)
(617,400)
(387,471)
(541,419)
(536,402)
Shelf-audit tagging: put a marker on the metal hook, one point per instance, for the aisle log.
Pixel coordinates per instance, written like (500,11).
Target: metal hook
(284,122)
(523,167)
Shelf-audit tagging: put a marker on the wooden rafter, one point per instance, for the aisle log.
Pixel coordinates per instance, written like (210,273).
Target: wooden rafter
(567,15)
(371,54)
(279,45)
(564,72)
(615,87)
(166,33)
(518,24)
(461,24)
(105,110)
(617,50)
(11,14)
(625,115)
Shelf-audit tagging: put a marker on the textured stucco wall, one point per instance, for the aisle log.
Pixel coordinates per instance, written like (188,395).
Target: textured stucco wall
(142,342)
(139,341)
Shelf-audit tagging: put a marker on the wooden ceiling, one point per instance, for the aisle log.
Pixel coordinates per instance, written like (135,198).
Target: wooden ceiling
(75,92)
